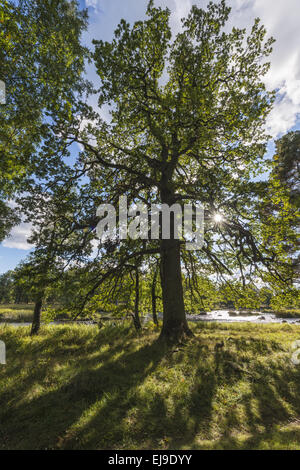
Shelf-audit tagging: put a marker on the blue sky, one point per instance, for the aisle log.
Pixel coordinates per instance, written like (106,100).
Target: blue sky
(281,17)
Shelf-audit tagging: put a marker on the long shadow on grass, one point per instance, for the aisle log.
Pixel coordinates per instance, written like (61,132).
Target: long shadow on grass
(273,398)
(145,418)
(106,381)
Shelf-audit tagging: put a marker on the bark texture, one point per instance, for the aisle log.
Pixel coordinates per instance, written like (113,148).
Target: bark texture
(36,322)
(175,327)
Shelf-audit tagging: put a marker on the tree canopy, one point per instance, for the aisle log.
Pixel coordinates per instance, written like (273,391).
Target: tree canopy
(42,61)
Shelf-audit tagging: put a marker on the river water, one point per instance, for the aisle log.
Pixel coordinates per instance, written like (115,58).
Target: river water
(230,316)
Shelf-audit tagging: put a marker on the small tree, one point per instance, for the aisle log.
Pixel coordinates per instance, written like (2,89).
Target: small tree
(284,208)
(6,287)
(58,245)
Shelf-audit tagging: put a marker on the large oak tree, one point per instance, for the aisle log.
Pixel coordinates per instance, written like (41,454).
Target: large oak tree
(187,125)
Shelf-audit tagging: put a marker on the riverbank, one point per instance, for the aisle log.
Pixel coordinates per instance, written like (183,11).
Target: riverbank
(233,386)
(22,315)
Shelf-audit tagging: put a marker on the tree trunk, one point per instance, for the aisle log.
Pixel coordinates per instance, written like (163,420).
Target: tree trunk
(36,323)
(175,327)
(136,316)
(153,295)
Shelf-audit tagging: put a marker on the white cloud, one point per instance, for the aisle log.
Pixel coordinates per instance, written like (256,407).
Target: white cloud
(283,116)
(19,234)
(91,3)
(181,10)
(18,237)
(281,18)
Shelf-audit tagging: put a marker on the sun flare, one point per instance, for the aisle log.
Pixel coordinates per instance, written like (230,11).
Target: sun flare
(218,218)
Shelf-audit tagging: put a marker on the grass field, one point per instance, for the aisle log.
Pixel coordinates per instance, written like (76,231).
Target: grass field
(291,313)
(78,387)
(16,312)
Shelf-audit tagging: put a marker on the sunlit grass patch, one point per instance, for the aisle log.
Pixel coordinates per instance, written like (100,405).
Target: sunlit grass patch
(16,312)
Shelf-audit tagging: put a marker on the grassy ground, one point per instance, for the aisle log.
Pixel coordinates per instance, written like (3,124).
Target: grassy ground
(16,312)
(19,313)
(78,387)
(288,313)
